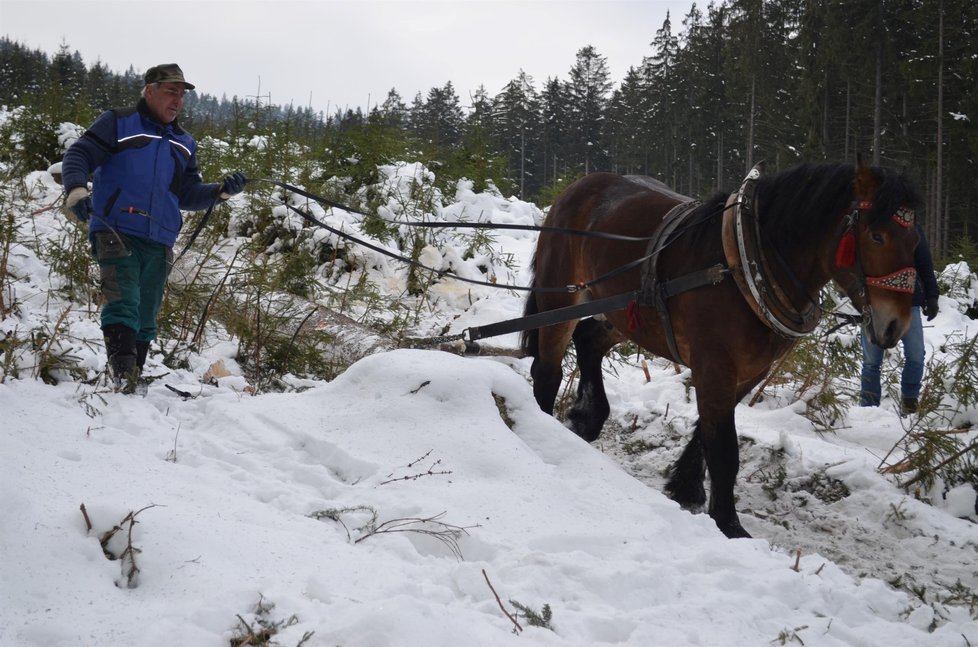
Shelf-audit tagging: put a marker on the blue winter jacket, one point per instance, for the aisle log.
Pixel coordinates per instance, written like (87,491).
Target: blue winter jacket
(926,286)
(145,173)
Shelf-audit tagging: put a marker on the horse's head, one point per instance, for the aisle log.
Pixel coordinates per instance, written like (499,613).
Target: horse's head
(874,259)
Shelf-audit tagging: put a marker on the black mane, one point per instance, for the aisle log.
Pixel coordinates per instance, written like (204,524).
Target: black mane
(798,204)
(802,202)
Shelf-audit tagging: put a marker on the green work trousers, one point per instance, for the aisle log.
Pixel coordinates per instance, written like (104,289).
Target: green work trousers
(133,273)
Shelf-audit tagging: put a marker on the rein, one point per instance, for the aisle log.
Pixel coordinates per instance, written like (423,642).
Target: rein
(577,287)
(451,225)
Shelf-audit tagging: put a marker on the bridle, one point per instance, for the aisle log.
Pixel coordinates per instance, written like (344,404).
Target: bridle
(847,254)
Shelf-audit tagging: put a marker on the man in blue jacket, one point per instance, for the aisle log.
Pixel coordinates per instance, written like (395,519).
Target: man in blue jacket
(146,172)
(924,300)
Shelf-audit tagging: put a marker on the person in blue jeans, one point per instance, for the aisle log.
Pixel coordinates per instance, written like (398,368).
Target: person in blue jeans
(145,174)
(924,303)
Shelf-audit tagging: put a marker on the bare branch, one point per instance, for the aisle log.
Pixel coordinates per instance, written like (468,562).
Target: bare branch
(446,533)
(516,625)
(128,555)
(88,522)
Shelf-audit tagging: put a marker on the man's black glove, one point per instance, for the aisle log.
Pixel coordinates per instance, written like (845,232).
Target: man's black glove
(78,205)
(232,185)
(930,308)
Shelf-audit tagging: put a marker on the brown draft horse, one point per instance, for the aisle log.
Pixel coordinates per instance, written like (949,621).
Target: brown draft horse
(811,224)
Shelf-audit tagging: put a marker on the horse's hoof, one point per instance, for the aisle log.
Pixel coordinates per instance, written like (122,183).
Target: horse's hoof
(689,497)
(584,424)
(734,530)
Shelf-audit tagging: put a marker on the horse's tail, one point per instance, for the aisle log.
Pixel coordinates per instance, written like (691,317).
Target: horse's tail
(530,339)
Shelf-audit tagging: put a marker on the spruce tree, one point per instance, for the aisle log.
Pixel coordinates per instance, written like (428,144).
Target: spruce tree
(516,115)
(556,132)
(588,88)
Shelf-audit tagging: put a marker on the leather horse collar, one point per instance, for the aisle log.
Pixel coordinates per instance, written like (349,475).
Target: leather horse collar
(744,251)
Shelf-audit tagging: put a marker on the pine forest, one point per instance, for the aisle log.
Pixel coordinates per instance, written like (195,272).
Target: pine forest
(783,81)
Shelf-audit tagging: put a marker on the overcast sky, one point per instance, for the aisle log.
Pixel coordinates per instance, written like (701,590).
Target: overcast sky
(331,53)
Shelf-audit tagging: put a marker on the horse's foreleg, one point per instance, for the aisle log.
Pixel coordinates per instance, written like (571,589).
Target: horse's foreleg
(723,460)
(714,443)
(593,338)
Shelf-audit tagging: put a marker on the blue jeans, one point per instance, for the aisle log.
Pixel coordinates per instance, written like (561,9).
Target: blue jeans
(913,364)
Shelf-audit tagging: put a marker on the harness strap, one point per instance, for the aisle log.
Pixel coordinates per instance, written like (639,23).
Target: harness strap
(550,317)
(710,276)
(654,292)
(663,291)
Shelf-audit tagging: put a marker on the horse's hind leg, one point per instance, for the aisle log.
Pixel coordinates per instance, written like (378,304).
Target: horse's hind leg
(546,370)
(685,485)
(593,338)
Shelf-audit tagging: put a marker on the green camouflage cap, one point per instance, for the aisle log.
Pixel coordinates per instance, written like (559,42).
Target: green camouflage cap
(167,73)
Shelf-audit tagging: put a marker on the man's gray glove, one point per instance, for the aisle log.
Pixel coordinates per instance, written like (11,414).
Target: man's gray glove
(232,185)
(78,206)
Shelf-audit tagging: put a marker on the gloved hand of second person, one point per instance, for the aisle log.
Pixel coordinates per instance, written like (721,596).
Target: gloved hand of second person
(930,309)
(78,205)
(232,185)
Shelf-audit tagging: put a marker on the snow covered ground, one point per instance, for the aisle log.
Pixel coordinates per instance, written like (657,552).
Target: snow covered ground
(392,505)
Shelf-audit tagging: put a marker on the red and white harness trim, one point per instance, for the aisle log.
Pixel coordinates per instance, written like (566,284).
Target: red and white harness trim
(899,281)
(904,217)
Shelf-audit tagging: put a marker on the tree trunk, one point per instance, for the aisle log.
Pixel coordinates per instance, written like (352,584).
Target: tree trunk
(719,182)
(878,105)
(522,163)
(750,126)
(940,244)
(825,117)
(848,155)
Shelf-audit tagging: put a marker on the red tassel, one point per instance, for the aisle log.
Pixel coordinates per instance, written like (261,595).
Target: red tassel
(633,317)
(845,254)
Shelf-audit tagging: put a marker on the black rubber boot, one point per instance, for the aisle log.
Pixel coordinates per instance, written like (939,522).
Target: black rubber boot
(142,383)
(142,350)
(120,346)
(909,405)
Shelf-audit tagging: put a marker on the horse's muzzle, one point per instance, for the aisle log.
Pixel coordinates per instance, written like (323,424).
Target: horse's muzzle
(885,332)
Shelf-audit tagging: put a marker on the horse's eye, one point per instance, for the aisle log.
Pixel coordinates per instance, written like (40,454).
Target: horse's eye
(877,237)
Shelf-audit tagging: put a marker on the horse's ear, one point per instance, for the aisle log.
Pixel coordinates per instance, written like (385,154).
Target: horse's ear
(865,182)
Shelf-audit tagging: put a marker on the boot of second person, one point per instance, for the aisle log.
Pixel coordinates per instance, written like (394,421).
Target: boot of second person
(909,406)
(142,350)
(120,346)
(124,373)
